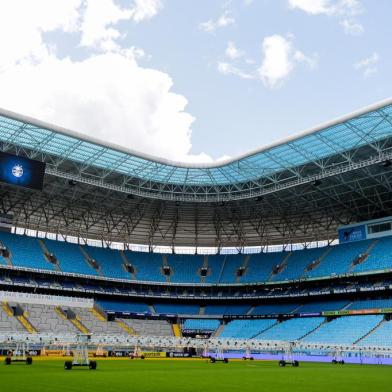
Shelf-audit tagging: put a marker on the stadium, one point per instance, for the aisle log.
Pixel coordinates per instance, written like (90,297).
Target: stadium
(282,256)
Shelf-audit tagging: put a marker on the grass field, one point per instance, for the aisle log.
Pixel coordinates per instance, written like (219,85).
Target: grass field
(187,376)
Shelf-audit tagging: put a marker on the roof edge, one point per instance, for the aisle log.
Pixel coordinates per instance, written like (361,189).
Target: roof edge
(168,162)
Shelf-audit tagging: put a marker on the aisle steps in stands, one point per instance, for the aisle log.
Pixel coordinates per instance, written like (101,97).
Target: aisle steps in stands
(244,267)
(382,322)
(8,259)
(46,252)
(72,318)
(205,265)
(366,255)
(282,266)
(127,262)
(202,310)
(89,261)
(315,329)
(250,311)
(222,269)
(218,331)
(165,264)
(265,329)
(20,315)
(176,330)
(320,260)
(129,330)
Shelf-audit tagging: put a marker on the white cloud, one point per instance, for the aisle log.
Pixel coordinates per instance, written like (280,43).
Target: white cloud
(351,27)
(232,52)
(101,16)
(229,69)
(279,59)
(223,21)
(346,10)
(368,65)
(107,95)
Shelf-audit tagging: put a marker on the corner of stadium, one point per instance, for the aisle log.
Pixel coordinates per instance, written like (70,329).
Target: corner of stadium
(197,277)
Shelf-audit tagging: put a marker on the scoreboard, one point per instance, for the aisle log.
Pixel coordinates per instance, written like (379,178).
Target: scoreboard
(20,171)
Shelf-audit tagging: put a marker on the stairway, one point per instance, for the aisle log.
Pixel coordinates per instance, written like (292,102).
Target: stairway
(367,252)
(222,269)
(314,329)
(320,260)
(205,265)
(87,258)
(283,264)
(125,327)
(45,251)
(218,331)
(126,262)
(26,324)
(250,311)
(383,321)
(8,259)
(74,320)
(244,266)
(164,264)
(264,330)
(176,330)
(22,318)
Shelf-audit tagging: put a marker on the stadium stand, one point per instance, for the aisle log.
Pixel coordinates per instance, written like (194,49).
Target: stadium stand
(275,309)
(226,309)
(292,329)
(322,306)
(25,251)
(246,329)
(207,325)
(148,266)
(371,304)
(379,336)
(177,309)
(69,257)
(328,261)
(117,306)
(185,268)
(344,330)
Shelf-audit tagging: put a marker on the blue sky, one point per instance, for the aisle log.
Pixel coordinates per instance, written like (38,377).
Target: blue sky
(198,80)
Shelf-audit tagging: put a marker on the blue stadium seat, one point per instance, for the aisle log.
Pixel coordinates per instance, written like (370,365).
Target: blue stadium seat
(206,325)
(226,309)
(344,330)
(274,309)
(147,265)
(185,268)
(177,308)
(117,306)
(25,251)
(246,329)
(292,329)
(110,262)
(69,257)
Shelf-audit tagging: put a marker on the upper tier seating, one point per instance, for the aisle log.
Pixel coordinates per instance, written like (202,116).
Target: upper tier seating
(292,329)
(379,258)
(322,306)
(147,265)
(27,252)
(69,257)
(201,325)
(344,330)
(226,309)
(231,265)
(116,306)
(275,309)
(185,268)
(260,266)
(110,262)
(177,309)
(298,262)
(371,304)
(246,329)
(339,259)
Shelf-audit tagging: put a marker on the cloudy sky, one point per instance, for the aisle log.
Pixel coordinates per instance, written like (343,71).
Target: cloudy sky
(193,80)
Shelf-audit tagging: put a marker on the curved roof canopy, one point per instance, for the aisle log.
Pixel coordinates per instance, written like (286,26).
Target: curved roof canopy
(242,177)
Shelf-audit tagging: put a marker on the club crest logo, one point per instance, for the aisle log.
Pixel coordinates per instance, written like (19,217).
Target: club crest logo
(17,171)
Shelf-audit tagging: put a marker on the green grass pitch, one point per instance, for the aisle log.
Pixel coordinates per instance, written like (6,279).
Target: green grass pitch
(193,376)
